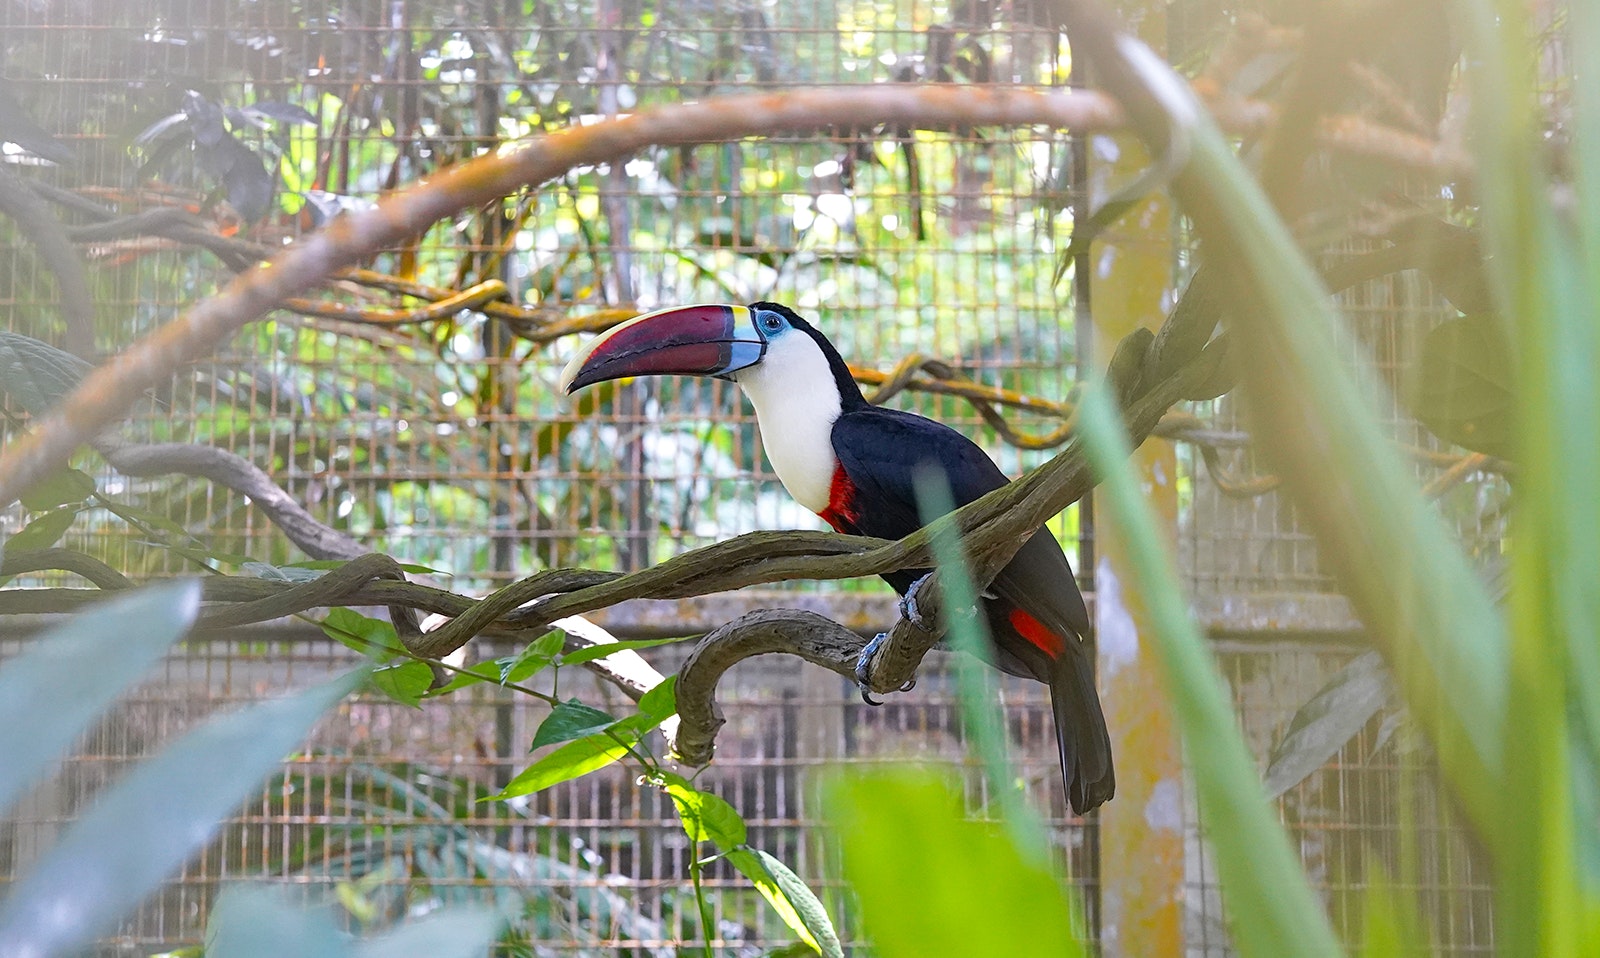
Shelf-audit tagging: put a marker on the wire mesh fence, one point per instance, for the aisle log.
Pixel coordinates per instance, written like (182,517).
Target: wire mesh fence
(446,443)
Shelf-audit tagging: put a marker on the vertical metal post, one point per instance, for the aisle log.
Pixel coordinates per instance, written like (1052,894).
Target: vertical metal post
(1141,831)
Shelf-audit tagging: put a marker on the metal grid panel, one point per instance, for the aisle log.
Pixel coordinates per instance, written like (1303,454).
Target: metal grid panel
(1374,812)
(435,446)
(383,802)
(1247,541)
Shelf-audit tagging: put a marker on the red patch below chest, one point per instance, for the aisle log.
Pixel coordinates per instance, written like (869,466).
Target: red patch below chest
(842,512)
(1035,632)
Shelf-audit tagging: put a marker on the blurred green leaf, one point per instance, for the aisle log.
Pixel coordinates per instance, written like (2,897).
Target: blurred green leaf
(43,531)
(152,821)
(261,922)
(61,487)
(404,682)
(933,883)
(74,670)
(569,720)
(1272,907)
(1464,386)
(455,932)
(1389,921)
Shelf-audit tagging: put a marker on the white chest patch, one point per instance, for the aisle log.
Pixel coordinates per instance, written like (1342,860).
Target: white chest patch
(796,406)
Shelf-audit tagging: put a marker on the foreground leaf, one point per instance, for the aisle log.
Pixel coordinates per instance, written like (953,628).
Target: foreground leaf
(71,672)
(933,883)
(1272,908)
(152,821)
(261,922)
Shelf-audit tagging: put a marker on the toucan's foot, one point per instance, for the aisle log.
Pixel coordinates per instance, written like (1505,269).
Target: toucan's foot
(863,666)
(908,602)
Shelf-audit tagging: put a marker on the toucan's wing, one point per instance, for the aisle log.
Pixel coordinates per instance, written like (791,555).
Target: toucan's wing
(881,451)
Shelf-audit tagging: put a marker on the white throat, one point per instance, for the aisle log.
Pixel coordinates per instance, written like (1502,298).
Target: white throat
(796,406)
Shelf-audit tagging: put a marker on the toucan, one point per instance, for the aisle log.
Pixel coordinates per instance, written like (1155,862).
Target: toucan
(853,464)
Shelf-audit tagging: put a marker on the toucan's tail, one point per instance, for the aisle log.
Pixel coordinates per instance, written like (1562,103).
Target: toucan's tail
(1081,733)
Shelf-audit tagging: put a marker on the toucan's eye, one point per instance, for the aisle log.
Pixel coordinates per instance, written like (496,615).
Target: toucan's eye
(771,322)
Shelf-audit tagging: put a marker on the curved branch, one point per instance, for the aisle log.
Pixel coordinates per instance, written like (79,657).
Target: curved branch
(815,638)
(138,460)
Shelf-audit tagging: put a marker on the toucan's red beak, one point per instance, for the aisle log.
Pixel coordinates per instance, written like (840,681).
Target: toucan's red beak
(711,340)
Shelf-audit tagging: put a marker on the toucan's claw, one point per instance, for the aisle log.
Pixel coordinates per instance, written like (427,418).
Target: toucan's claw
(863,666)
(908,602)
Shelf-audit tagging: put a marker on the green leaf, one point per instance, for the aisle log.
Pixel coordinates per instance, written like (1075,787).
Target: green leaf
(1464,385)
(152,821)
(793,901)
(72,671)
(404,682)
(61,487)
(360,632)
(661,700)
(1332,717)
(569,720)
(262,922)
(597,750)
(44,531)
(933,883)
(589,654)
(707,817)
(533,659)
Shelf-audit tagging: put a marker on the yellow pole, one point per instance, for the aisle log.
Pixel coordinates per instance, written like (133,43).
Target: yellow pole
(1141,830)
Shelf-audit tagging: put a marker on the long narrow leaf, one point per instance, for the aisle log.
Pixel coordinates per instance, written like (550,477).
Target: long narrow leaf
(70,673)
(1275,912)
(151,822)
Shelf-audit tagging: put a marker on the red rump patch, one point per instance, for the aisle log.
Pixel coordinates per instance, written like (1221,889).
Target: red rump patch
(1035,632)
(842,512)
